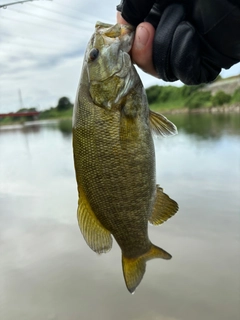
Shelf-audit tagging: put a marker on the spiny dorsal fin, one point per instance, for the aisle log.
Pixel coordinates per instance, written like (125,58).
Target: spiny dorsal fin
(161,125)
(164,208)
(134,268)
(97,237)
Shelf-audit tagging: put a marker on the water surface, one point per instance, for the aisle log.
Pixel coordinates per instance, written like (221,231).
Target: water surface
(48,272)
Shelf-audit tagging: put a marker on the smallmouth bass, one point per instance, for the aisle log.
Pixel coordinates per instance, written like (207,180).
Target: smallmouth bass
(114,154)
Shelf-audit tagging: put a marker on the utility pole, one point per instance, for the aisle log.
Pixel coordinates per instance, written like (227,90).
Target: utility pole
(20,99)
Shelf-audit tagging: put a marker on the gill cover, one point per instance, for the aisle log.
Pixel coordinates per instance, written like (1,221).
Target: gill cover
(108,62)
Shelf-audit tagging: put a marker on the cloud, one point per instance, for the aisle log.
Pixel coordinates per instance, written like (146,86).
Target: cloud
(42,44)
(41,48)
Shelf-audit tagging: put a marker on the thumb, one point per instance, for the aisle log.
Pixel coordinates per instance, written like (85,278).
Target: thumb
(142,48)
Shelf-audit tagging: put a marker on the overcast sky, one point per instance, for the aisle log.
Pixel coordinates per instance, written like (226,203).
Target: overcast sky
(41,49)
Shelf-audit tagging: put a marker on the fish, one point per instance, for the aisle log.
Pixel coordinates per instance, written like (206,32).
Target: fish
(114,154)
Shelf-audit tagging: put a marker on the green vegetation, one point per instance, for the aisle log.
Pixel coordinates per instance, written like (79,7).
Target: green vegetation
(54,113)
(63,110)
(11,120)
(165,97)
(170,97)
(191,97)
(236,96)
(65,125)
(16,119)
(159,98)
(199,99)
(64,104)
(220,98)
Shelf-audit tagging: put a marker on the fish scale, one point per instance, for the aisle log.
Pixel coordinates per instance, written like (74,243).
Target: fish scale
(116,186)
(114,154)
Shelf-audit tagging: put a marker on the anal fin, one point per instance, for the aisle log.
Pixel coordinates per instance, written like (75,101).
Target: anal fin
(97,237)
(161,125)
(164,208)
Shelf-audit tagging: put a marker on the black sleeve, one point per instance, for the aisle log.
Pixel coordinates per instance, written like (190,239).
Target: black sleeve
(194,43)
(194,39)
(135,11)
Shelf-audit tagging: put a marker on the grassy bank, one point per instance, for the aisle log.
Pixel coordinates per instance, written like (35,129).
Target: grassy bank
(162,98)
(54,113)
(45,115)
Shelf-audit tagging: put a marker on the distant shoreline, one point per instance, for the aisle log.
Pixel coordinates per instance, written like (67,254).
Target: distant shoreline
(235,108)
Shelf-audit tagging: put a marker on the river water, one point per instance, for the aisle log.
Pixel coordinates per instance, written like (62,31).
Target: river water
(48,272)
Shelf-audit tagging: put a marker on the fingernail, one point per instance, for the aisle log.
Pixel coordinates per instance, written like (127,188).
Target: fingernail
(142,36)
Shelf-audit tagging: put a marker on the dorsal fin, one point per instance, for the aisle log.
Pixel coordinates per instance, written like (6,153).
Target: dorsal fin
(161,125)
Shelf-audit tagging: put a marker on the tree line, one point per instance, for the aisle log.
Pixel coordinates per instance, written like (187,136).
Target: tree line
(159,97)
(191,97)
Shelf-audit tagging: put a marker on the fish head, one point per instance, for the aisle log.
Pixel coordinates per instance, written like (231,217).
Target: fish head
(108,63)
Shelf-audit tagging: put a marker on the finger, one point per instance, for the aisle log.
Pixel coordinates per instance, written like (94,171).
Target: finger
(142,48)
(120,18)
(141,51)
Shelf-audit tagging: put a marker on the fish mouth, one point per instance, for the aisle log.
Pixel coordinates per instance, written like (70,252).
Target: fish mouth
(116,30)
(119,30)
(123,33)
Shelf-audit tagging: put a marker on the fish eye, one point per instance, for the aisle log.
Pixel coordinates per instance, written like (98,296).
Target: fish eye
(93,54)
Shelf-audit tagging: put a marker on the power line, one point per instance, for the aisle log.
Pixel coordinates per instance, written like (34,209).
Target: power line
(21,38)
(48,44)
(36,46)
(48,19)
(41,25)
(4,6)
(76,9)
(86,16)
(65,15)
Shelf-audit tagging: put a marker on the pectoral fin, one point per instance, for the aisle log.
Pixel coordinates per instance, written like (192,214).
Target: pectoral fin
(161,125)
(134,268)
(164,208)
(97,237)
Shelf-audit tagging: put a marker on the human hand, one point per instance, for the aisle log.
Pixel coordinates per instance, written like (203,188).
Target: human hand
(190,43)
(141,51)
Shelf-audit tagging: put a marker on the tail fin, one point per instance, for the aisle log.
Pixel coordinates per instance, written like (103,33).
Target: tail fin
(134,268)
